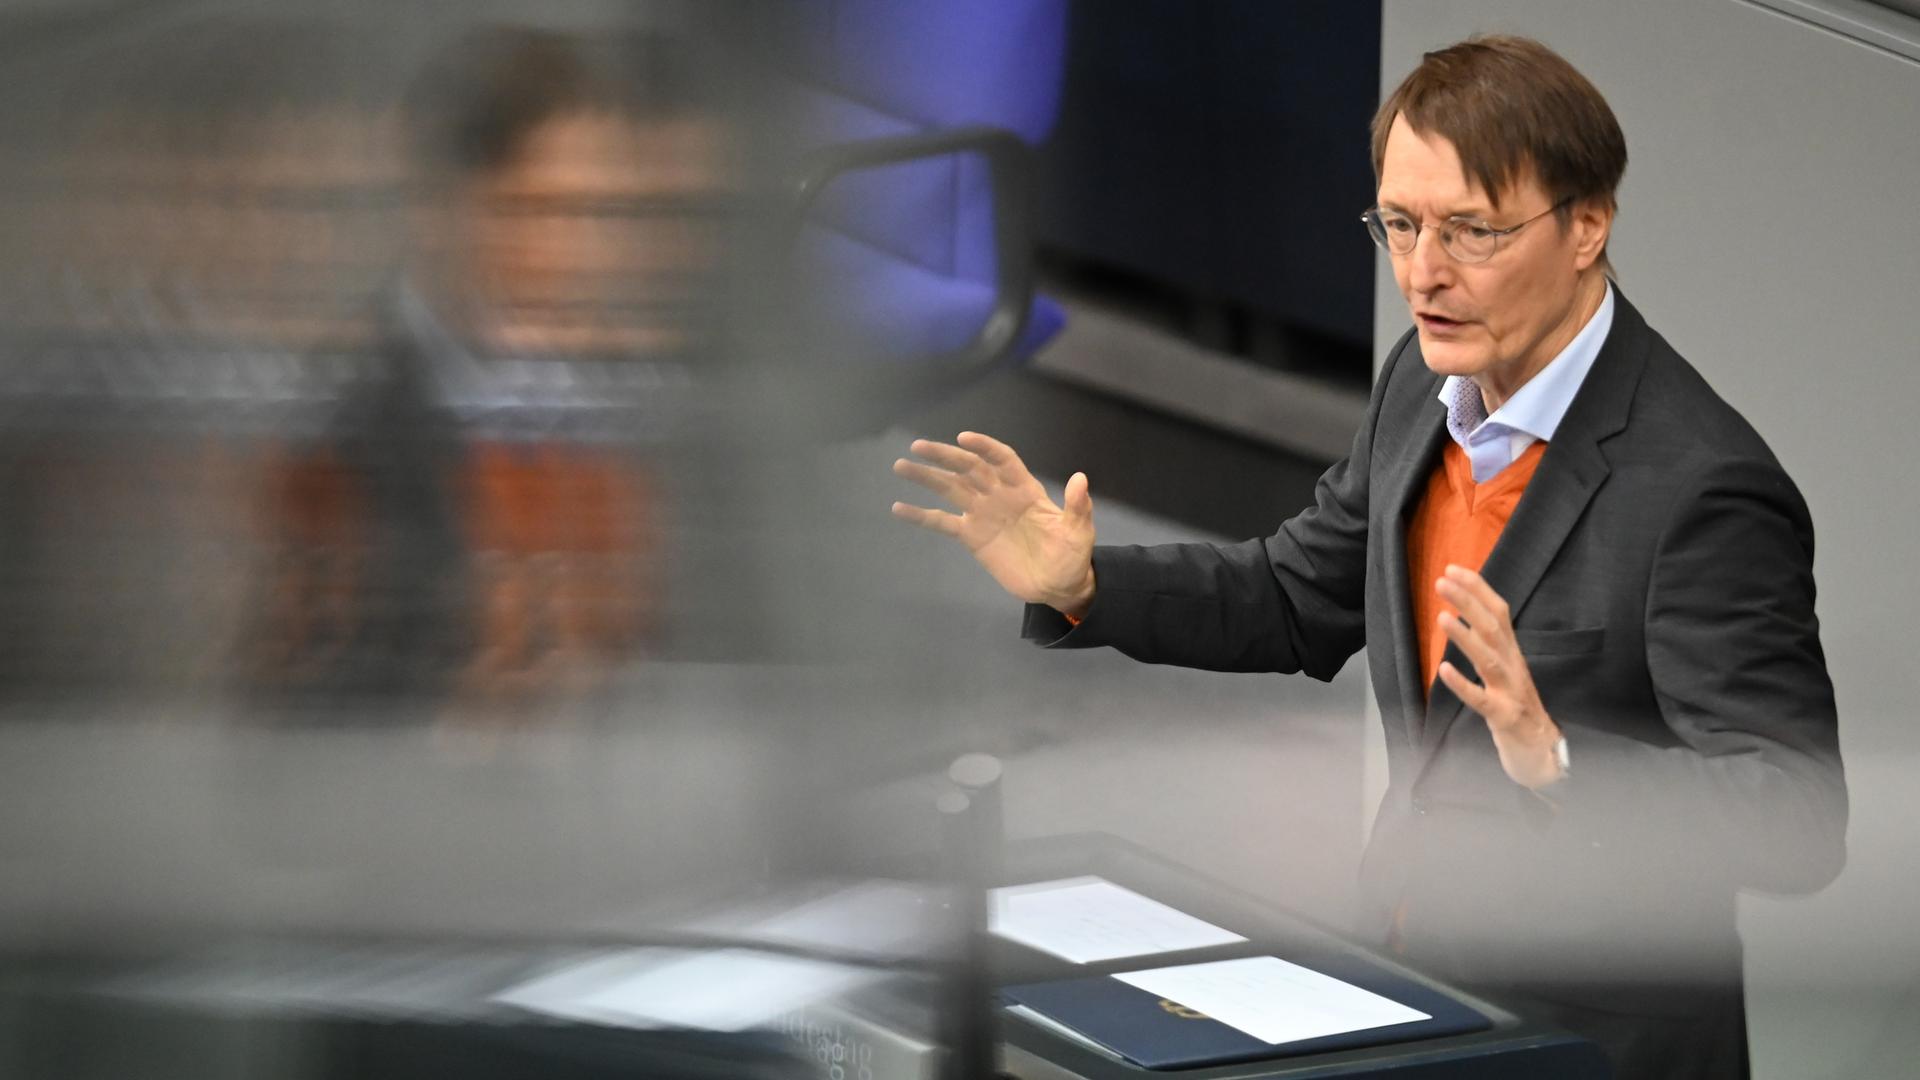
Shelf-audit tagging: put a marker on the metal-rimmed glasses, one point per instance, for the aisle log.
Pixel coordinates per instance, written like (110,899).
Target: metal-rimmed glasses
(1469,240)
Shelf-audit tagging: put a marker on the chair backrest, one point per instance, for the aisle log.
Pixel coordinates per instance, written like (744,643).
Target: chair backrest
(942,63)
(873,68)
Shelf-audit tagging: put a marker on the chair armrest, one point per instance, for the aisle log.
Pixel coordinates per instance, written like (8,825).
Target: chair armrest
(1009,171)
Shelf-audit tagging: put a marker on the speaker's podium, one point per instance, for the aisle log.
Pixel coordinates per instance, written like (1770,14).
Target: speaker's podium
(1103,962)
(1114,964)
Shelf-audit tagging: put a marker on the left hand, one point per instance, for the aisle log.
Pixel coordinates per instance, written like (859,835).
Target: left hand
(1522,731)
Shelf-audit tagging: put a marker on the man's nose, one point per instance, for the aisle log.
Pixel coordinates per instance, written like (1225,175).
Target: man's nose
(1429,266)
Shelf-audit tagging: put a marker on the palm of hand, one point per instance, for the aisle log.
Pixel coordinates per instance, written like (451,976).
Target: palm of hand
(1028,544)
(1039,552)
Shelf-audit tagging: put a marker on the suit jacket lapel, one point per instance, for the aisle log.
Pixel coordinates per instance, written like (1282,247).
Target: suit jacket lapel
(1570,471)
(1404,490)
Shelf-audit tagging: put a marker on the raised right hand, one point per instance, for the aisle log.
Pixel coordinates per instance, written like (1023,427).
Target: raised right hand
(1039,552)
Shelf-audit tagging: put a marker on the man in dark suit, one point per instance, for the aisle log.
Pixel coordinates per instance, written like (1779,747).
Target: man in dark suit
(1585,584)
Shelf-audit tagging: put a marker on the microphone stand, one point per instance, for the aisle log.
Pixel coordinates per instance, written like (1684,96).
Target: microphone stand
(972,835)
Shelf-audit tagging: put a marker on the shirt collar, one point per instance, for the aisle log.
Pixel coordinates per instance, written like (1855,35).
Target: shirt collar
(1538,407)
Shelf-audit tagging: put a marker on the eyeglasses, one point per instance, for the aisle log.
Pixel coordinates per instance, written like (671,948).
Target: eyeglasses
(1469,240)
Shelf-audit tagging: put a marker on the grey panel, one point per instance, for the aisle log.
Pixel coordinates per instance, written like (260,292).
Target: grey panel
(1893,25)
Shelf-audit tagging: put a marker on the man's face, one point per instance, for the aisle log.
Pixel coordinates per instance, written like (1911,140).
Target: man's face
(558,274)
(1500,321)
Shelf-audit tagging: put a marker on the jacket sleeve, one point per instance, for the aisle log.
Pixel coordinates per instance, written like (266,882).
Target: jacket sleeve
(1753,786)
(1290,602)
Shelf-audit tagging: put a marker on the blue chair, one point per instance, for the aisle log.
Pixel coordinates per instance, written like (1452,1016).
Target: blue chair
(922,117)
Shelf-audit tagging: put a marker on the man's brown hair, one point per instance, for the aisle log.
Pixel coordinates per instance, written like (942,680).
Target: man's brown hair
(1509,105)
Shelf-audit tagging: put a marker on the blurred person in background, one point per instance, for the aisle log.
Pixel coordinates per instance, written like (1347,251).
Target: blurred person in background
(188,207)
(378,421)
(1584,582)
(495,538)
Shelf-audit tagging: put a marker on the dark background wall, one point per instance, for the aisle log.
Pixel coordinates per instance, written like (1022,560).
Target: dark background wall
(1217,153)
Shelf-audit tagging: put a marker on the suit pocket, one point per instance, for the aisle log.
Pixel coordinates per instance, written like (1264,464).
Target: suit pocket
(1560,642)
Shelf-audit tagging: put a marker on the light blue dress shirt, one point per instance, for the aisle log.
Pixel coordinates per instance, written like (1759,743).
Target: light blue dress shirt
(1534,411)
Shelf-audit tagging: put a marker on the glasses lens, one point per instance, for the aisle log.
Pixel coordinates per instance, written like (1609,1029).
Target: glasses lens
(1469,241)
(1371,219)
(1392,231)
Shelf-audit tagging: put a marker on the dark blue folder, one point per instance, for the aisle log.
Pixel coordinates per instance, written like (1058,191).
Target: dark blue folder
(1142,1028)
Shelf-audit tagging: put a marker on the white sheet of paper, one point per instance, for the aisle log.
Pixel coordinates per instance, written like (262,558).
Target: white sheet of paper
(734,989)
(1088,919)
(1272,1000)
(728,990)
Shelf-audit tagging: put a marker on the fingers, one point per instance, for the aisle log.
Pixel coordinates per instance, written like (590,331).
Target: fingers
(993,450)
(964,464)
(1483,654)
(1471,693)
(1476,601)
(1079,501)
(983,465)
(934,520)
(996,454)
(947,485)
(1486,632)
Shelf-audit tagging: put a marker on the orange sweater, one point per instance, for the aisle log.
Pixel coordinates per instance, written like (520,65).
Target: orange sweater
(1458,522)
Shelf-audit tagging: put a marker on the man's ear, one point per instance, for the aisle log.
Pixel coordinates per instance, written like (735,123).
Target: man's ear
(1591,225)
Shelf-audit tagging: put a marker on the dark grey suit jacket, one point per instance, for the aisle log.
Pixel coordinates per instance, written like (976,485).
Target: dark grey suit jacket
(1659,570)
